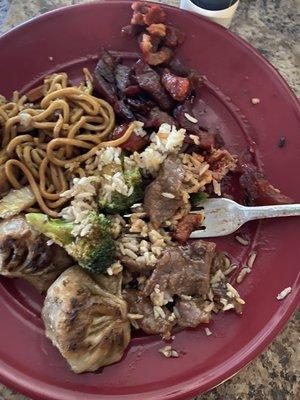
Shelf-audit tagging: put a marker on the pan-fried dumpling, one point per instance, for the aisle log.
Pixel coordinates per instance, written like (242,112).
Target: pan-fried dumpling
(85,320)
(26,254)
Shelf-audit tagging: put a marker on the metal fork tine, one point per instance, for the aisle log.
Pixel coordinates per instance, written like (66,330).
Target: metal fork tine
(224,216)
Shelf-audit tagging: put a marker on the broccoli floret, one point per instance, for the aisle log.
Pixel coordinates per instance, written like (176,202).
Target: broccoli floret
(197,198)
(120,203)
(95,251)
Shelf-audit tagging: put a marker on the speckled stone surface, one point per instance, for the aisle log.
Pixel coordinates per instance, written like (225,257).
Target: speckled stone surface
(272,26)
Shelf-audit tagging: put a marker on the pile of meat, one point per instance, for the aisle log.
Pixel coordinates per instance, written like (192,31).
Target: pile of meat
(155,88)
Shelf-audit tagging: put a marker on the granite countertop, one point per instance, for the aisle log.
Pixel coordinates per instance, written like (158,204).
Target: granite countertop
(270,26)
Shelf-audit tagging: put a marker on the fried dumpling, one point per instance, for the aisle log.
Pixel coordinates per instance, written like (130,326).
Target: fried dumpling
(26,254)
(86,320)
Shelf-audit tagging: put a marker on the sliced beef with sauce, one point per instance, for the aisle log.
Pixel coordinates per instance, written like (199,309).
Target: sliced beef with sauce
(123,111)
(157,117)
(122,76)
(104,82)
(192,313)
(164,196)
(24,253)
(181,119)
(150,324)
(103,88)
(183,270)
(149,81)
(141,105)
(258,191)
(203,141)
(106,66)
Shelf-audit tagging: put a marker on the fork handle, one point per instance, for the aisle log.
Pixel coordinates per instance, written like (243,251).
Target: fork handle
(285,210)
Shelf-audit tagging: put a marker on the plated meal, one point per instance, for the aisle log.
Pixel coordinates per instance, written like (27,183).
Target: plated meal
(97,182)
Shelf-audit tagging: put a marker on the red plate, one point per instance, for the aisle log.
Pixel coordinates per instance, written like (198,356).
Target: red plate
(70,38)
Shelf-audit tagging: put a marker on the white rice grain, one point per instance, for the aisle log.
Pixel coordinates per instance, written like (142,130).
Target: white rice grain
(135,316)
(168,195)
(242,240)
(115,268)
(255,100)
(168,352)
(190,118)
(284,293)
(208,332)
(216,187)
(230,269)
(242,274)
(228,307)
(185,297)
(232,290)
(130,253)
(251,259)
(195,139)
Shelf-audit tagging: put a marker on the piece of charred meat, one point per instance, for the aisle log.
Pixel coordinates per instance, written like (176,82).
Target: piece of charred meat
(151,322)
(104,82)
(221,162)
(145,13)
(173,37)
(258,191)
(156,38)
(157,117)
(25,253)
(149,81)
(164,196)
(133,143)
(178,87)
(177,68)
(186,226)
(183,270)
(150,52)
(86,320)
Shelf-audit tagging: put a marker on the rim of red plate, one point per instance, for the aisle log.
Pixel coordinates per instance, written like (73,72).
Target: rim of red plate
(33,388)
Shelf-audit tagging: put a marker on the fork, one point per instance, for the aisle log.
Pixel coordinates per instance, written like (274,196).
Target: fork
(223,216)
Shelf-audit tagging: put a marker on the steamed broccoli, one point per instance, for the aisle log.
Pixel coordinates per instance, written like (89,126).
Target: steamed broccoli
(120,203)
(94,252)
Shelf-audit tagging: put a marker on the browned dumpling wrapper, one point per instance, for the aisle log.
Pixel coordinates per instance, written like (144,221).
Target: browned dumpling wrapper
(26,254)
(86,319)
